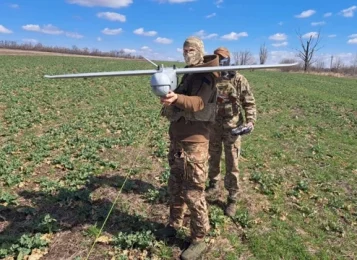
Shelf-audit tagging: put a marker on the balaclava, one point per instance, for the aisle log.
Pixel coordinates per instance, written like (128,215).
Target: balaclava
(194,57)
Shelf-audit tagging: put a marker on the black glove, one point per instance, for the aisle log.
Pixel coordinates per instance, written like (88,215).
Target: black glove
(241,130)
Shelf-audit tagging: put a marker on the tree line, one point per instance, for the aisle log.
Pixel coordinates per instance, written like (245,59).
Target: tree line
(74,50)
(305,55)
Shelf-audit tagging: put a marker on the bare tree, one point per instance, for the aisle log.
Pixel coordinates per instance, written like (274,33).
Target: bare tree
(319,65)
(263,54)
(354,65)
(308,48)
(243,58)
(337,65)
(235,56)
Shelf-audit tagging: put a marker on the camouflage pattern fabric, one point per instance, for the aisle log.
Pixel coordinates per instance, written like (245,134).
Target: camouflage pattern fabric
(188,162)
(231,104)
(246,97)
(227,106)
(194,57)
(195,42)
(232,146)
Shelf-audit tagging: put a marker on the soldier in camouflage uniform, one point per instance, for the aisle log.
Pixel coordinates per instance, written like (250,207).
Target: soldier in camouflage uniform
(190,110)
(234,97)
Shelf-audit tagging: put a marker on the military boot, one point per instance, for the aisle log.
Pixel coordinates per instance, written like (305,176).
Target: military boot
(194,251)
(166,232)
(231,208)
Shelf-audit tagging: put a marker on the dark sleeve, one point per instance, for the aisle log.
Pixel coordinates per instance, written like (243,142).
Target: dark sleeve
(201,91)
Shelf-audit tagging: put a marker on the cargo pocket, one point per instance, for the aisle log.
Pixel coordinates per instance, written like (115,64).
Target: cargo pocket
(196,166)
(176,163)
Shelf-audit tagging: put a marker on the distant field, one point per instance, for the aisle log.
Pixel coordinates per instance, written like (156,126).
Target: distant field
(30,53)
(18,52)
(71,148)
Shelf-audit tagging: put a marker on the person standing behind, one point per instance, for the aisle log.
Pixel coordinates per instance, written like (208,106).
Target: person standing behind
(190,110)
(234,96)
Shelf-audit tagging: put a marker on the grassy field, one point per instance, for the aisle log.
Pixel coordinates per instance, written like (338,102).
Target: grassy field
(79,153)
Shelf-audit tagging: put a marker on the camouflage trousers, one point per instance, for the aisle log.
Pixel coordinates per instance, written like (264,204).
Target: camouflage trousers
(189,164)
(232,146)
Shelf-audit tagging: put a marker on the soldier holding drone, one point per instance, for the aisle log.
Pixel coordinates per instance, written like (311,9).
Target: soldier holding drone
(190,107)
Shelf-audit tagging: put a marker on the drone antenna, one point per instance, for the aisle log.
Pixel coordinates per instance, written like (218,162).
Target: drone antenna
(150,61)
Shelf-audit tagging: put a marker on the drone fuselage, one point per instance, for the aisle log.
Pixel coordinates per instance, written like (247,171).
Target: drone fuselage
(163,81)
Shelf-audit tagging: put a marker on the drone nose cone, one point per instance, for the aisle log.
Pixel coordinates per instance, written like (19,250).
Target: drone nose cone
(160,83)
(160,79)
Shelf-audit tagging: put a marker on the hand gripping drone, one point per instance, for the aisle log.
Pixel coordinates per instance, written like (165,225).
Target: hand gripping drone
(164,80)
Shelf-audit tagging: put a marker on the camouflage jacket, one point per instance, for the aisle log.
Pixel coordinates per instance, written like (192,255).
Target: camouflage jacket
(234,97)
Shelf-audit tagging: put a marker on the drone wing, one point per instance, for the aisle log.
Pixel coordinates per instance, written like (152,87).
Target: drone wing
(103,74)
(177,71)
(230,68)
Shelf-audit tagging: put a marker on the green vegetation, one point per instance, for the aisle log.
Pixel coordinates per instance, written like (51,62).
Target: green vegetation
(68,146)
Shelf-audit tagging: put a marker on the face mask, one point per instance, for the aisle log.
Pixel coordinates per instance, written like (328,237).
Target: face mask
(192,57)
(224,62)
(226,74)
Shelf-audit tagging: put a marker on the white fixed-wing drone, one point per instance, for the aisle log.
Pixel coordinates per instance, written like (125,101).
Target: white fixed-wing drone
(164,80)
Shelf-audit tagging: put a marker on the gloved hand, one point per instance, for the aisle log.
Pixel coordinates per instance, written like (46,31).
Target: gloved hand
(243,129)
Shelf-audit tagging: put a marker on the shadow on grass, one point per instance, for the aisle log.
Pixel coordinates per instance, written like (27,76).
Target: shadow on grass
(73,210)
